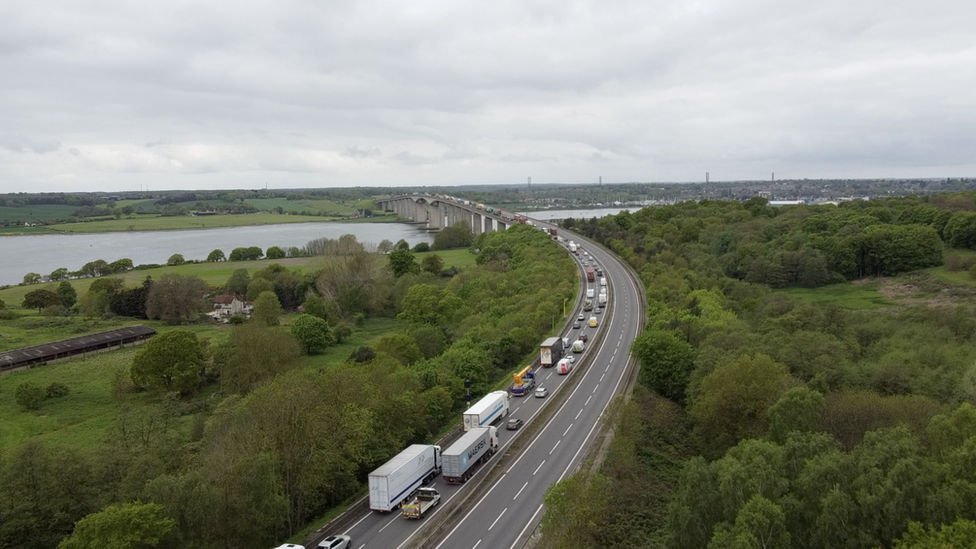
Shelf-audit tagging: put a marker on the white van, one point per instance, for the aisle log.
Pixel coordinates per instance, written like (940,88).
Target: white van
(590,293)
(603,281)
(578,346)
(564,367)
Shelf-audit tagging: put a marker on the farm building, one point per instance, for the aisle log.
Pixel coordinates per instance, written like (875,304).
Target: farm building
(37,355)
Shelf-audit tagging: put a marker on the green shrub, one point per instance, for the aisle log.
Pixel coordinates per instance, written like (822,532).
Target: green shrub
(29,396)
(57,390)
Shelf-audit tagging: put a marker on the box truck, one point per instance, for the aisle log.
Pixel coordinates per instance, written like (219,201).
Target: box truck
(603,298)
(550,352)
(473,447)
(490,408)
(590,275)
(396,479)
(590,293)
(572,246)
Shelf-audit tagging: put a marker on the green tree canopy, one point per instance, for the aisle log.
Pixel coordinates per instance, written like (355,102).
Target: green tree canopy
(403,262)
(32,278)
(275,252)
(171,361)
(175,259)
(39,299)
(67,293)
(216,255)
(267,309)
(313,333)
(258,286)
(732,402)
(134,525)
(238,282)
(433,264)
(666,362)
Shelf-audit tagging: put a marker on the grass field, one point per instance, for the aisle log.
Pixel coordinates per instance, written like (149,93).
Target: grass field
(33,213)
(304,206)
(848,295)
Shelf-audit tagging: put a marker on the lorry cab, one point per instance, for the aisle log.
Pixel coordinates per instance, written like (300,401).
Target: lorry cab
(564,367)
(592,322)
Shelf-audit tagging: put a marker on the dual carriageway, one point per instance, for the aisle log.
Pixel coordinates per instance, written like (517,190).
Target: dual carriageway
(500,507)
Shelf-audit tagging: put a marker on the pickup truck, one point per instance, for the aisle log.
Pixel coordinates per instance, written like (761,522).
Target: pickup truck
(423,500)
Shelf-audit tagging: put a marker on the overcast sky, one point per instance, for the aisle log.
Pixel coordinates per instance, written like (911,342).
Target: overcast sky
(127,95)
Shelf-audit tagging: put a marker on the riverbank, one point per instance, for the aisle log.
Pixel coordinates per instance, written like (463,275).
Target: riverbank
(137,223)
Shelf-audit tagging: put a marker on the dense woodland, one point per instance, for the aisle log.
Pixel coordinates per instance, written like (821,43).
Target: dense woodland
(275,444)
(761,419)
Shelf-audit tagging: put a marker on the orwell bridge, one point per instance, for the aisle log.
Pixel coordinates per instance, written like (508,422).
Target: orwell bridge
(437,212)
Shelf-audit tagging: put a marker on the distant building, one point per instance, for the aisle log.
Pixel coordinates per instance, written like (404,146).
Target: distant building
(226,306)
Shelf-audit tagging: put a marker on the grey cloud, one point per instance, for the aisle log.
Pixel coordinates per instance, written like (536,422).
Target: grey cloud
(356,152)
(21,144)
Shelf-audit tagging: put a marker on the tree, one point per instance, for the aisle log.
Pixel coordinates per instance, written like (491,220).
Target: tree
(171,361)
(575,508)
(109,285)
(120,266)
(58,274)
(133,525)
(402,262)
(384,247)
(421,247)
(797,410)
(67,293)
(275,252)
(258,286)
(267,309)
(958,535)
(432,264)
(238,281)
(29,396)
(175,259)
(402,245)
(458,235)
(246,254)
(216,255)
(313,333)
(39,299)
(32,278)
(176,298)
(253,355)
(93,304)
(732,402)
(315,306)
(666,362)
(760,523)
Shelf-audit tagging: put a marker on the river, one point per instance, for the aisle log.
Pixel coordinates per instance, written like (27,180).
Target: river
(43,254)
(548,215)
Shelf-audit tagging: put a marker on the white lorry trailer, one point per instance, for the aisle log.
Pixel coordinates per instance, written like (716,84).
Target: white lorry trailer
(473,447)
(491,407)
(550,352)
(396,479)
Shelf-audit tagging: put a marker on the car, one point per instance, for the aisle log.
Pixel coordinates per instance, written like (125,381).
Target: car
(335,542)
(290,546)
(514,424)
(597,310)
(541,392)
(593,322)
(571,358)
(576,325)
(583,338)
(581,317)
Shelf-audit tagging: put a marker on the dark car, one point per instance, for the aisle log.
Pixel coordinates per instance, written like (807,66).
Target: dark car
(583,338)
(514,424)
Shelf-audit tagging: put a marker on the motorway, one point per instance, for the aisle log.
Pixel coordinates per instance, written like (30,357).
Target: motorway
(507,513)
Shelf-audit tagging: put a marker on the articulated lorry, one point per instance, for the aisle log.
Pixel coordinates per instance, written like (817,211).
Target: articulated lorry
(550,351)
(490,408)
(424,500)
(396,479)
(473,447)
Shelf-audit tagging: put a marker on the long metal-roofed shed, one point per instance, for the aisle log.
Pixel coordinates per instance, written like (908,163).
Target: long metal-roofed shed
(35,355)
